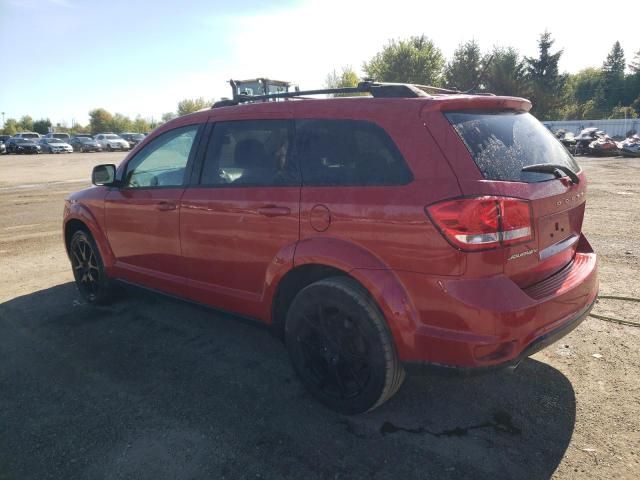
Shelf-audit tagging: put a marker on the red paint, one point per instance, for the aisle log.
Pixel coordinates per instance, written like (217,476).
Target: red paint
(230,247)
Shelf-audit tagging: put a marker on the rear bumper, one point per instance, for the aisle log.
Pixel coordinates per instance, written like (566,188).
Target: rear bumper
(538,344)
(491,322)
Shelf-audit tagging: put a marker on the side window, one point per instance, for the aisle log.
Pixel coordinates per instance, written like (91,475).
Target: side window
(162,163)
(250,153)
(348,152)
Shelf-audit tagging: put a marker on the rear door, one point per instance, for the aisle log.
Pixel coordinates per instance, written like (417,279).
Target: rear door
(488,150)
(240,225)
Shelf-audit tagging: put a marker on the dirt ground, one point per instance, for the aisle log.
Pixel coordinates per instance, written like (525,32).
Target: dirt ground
(155,388)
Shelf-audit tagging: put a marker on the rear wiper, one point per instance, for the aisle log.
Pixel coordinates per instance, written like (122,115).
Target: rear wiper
(553,168)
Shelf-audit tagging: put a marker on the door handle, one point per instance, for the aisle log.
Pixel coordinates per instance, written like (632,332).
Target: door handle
(274,211)
(166,206)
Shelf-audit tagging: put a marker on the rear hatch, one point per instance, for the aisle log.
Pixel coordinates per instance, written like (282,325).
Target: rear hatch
(538,213)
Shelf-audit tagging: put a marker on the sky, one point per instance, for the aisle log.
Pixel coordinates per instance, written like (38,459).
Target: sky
(62,58)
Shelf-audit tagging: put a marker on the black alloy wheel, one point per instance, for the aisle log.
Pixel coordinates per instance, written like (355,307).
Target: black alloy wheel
(341,347)
(88,269)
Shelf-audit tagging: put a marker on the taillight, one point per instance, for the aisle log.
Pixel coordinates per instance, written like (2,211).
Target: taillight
(481,223)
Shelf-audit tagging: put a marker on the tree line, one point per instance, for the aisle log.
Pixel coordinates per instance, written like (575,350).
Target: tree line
(609,91)
(101,120)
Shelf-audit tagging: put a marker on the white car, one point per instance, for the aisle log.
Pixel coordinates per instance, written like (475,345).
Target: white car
(111,141)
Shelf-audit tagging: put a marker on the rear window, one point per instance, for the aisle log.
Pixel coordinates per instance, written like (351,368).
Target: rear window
(502,143)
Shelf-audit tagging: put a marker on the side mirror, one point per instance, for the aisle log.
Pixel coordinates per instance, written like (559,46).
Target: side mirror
(104,175)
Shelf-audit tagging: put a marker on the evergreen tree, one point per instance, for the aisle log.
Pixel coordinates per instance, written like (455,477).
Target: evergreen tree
(463,71)
(505,73)
(612,87)
(545,79)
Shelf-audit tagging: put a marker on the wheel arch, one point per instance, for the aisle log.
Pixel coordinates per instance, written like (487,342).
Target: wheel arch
(80,218)
(380,283)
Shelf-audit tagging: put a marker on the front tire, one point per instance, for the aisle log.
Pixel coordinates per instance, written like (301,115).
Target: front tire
(88,269)
(341,347)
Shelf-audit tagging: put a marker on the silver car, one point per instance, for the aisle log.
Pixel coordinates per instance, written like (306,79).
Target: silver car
(54,145)
(111,141)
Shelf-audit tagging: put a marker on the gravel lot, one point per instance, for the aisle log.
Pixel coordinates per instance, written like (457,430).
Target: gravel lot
(154,388)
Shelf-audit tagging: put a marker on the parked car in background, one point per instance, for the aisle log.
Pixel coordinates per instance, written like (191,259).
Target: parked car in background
(374,234)
(62,136)
(28,135)
(22,145)
(3,139)
(54,145)
(111,141)
(84,144)
(133,138)
(85,135)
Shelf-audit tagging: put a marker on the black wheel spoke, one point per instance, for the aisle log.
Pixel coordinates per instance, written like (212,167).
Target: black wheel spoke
(339,381)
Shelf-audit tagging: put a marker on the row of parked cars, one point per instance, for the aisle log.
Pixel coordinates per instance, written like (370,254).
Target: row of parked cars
(32,142)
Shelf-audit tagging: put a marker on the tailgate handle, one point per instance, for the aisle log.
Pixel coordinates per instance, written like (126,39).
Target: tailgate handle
(274,211)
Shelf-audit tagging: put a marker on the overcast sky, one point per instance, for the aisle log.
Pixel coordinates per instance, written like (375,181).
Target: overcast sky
(62,58)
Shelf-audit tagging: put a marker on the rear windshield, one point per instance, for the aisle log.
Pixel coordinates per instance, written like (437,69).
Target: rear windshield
(502,143)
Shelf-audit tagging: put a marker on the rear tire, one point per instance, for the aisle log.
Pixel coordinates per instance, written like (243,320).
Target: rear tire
(341,347)
(88,269)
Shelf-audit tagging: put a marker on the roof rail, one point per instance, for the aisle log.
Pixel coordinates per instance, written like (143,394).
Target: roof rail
(375,89)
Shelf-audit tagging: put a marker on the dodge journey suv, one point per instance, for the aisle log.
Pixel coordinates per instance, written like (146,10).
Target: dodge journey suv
(403,229)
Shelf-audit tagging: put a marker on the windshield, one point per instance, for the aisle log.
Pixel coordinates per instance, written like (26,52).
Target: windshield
(137,136)
(502,143)
(112,137)
(30,135)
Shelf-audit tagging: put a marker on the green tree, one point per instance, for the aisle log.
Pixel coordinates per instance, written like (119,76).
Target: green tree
(612,84)
(463,71)
(140,125)
(623,112)
(167,116)
(416,60)
(100,120)
(190,105)
(582,86)
(634,66)
(11,127)
(347,78)
(505,73)
(26,123)
(120,123)
(42,126)
(545,80)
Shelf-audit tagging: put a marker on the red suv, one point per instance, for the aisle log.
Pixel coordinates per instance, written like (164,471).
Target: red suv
(375,233)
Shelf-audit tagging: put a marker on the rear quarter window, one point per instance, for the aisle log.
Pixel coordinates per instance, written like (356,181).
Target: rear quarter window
(348,152)
(503,143)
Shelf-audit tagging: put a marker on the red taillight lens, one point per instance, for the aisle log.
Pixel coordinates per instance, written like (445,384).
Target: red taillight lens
(481,223)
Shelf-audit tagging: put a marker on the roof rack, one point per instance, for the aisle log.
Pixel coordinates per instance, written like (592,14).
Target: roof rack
(375,89)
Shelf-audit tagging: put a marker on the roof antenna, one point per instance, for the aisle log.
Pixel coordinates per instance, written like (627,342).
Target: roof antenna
(481,76)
